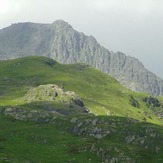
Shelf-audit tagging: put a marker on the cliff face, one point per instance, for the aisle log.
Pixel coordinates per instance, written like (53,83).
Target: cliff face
(132,74)
(61,42)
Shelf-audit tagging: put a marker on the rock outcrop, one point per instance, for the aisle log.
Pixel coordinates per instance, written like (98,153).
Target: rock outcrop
(52,92)
(61,42)
(45,102)
(125,131)
(111,139)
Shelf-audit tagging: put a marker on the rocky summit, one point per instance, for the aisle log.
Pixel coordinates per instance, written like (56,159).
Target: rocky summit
(61,42)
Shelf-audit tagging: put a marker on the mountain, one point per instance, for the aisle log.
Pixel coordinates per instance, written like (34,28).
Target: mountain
(74,113)
(44,84)
(61,42)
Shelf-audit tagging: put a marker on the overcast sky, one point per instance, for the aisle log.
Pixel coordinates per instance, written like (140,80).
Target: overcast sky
(134,27)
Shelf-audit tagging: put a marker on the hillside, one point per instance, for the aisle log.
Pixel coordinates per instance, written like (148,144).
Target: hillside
(74,113)
(39,82)
(61,42)
(80,139)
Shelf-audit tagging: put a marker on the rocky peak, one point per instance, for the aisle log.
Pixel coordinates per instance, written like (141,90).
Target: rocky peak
(60,24)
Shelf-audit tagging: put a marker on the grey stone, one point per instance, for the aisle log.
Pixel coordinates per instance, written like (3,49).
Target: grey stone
(98,136)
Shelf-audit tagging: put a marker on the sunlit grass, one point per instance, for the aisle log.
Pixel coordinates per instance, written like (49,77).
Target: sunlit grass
(101,94)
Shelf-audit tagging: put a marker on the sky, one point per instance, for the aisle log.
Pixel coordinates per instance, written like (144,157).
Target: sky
(134,27)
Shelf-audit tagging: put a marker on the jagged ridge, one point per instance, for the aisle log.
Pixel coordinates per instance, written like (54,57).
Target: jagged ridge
(62,43)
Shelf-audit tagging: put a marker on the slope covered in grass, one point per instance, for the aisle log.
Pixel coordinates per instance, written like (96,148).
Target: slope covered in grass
(80,139)
(44,118)
(37,142)
(101,94)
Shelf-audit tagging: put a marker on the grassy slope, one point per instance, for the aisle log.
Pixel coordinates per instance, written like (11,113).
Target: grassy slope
(101,94)
(33,142)
(22,141)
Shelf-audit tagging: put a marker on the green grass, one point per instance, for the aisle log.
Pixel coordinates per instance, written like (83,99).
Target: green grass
(58,138)
(101,94)
(22,141)
(33,142)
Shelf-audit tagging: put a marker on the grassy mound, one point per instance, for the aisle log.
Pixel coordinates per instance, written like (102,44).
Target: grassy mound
(101,94)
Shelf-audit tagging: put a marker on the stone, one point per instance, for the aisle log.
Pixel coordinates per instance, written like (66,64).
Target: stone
(73,120)
(98,136)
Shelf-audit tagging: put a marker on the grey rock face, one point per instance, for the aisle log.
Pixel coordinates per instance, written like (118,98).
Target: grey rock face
(61,42)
